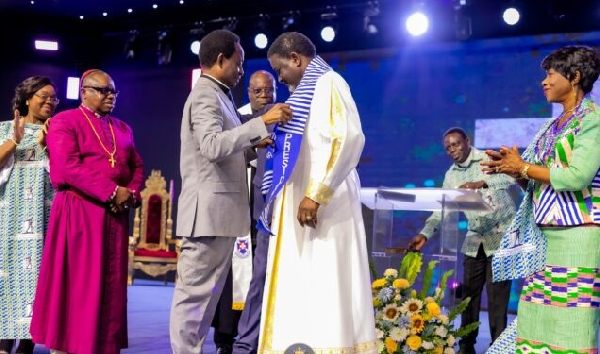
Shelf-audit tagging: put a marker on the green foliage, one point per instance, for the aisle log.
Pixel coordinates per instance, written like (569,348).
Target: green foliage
(410,267)
(464,330)
(444,283)
(427,279)
(458,309)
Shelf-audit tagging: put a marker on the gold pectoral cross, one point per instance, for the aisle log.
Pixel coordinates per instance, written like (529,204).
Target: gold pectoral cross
(112,161)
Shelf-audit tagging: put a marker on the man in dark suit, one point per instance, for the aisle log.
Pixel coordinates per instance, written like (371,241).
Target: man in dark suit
(213,205)
(262,93)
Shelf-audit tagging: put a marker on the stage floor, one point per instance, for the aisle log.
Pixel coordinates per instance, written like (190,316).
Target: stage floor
(148,310)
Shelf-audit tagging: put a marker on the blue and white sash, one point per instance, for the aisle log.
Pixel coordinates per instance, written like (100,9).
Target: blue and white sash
(522,250)
(281,159)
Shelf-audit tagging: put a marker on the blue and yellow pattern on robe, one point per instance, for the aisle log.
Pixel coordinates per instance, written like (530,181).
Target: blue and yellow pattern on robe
(25,198)
(287,139)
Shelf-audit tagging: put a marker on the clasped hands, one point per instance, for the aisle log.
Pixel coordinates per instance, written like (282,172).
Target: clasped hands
(506,160)
(124,198)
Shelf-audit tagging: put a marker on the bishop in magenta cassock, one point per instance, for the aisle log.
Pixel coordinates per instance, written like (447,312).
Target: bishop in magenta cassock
(80,305)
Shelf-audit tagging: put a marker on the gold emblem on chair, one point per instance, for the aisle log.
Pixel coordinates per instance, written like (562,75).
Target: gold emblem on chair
(152,248)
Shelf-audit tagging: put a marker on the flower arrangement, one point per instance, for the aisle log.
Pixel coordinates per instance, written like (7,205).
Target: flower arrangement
(410,322)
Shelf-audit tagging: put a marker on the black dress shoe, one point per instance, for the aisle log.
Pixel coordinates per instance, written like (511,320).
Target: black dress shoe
(6,345)
(224,349)
(25,347)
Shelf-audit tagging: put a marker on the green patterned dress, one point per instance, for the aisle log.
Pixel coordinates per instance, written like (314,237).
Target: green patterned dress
(559,309)
(25,198)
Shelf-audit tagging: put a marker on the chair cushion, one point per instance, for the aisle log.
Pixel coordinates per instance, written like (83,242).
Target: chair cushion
(153,221)
(140,252)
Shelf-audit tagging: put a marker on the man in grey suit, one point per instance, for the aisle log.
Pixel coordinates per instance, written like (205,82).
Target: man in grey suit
(213,205)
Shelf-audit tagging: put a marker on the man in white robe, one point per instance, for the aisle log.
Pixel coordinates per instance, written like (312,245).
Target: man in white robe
(318,287)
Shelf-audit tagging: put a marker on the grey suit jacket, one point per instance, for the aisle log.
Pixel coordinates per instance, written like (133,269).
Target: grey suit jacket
(214,195)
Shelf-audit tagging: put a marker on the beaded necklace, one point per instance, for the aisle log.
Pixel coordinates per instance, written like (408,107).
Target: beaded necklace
(545,146)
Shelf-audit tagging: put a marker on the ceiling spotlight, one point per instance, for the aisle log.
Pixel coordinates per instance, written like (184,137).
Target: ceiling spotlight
(195,47)
(81,17)
(371,13)
(131,45)
(32,2)
(261,41)
(290,20)
(417,24)
(511,16)
(164,51)
(462,21)
(181,2)
(196,35)
(104,14)
(154,6)
(129,10)
(329,24)
(231,24)
(328,34)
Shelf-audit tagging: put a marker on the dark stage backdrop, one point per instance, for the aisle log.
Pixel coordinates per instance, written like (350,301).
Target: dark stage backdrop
(407,97)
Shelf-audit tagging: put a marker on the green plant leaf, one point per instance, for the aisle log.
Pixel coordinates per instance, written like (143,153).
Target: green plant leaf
(464,330)
(373,270)
(444,284)
(427,278)
(458,309)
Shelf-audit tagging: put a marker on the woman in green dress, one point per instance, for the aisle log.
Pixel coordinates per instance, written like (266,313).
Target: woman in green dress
(559,220)
(25,197)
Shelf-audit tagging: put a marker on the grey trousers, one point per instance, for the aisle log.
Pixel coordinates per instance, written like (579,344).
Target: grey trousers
(201,270)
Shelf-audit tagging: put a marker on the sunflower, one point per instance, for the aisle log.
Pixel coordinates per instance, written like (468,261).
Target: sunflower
(391,312)
(411,307)
(417,323)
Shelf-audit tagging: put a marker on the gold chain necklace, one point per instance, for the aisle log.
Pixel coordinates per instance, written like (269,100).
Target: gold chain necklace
(111,155)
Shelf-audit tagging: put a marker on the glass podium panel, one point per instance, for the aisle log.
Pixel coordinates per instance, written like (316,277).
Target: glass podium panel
(394,213)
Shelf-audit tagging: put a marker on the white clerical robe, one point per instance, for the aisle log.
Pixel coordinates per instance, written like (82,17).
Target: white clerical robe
(318,284)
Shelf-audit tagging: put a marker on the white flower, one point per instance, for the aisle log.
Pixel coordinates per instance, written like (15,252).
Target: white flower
(391,312)
(441,331)
(379,333)
(437,292)
(397,297)
(411,307)
(399,334)
(380,346)
(449,351)
(378,315)
(451,340)
(443,319)
(390,272)
(429,299)
(427,345)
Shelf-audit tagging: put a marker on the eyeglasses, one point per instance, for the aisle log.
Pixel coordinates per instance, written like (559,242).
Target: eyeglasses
(45,98)
(266,90)
(104,90)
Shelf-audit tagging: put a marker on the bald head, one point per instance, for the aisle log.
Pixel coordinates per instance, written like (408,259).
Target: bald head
(261,90)
(98,91)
